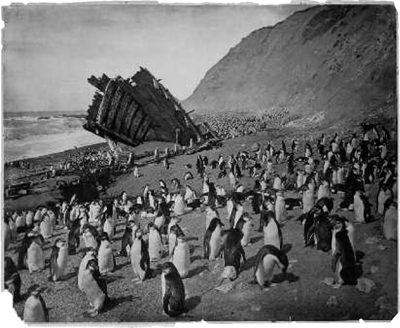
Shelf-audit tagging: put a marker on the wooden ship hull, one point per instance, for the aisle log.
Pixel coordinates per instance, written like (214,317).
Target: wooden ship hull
(136,110)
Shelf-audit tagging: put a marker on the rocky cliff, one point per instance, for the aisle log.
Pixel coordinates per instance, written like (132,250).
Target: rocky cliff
(325,62)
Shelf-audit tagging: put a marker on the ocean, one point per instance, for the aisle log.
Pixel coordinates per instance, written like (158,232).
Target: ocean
(33,134)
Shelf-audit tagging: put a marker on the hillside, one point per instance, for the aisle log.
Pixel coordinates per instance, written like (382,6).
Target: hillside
(325,61)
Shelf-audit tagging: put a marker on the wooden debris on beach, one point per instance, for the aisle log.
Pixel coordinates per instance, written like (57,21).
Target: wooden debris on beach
(139,109)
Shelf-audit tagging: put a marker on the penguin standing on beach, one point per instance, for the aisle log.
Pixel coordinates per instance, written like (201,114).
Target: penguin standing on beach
(106,259)
(74,237)
(362,209)
(140,258)
(212,239)
(12,279)
(155,243)
(95,288)
(280,208)
(35,309)
(46,227)
(181,256)
(390,221)
(90,236)
(271,229)
(266,259)
(343,259)
(233,252)
(35,254)
(58,260)
(246,229)
(91,254)
(173,290)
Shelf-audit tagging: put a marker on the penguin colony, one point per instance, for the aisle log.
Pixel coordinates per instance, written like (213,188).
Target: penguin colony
(156,244)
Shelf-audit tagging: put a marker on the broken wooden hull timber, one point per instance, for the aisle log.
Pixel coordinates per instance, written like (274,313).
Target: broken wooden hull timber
(136,110)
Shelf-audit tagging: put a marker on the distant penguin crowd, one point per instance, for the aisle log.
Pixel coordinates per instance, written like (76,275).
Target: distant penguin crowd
(155,236)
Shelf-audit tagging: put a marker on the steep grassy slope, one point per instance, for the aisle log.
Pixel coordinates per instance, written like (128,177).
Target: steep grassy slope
(328,60)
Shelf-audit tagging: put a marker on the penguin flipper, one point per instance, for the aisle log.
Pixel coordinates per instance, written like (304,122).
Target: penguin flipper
(166,299)
(335,259)
(53,260)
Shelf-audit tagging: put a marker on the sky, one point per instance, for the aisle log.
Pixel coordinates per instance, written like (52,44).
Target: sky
(49,51)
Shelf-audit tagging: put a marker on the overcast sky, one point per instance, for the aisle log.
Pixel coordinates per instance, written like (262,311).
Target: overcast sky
(49,51)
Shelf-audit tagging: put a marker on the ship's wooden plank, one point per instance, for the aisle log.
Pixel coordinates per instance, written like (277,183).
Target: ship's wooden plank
(137,120)
(143,128)
(128,119)
(114,108)
(125,102)
(112,133)
(106,102)
(146,132)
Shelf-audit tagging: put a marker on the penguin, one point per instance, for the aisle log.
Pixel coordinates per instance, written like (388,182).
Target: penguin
(127,239)
(308,199)
(233,252)
(188,176)
(35,254)
(267,257)
(46,227)
(212,239)
(74,237)
(383,195)
(280,208)
(173,235)
(324,190)
(390,221)
(173,290)
(162,183)
(91,254)
(362,209)
(181,256)
(90,236)
(20,222)
(35,309)
(343,259)
(140,258)
(155,242)
(58,260)
(323,232)
(12,279)
(108,221)
(180,207)
(338,223)
(211,213)
(29,218)
(94,288)
(105,258)
(246,229)
(271,229)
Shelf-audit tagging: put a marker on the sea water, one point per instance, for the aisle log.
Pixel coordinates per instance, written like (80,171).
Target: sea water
(32,134)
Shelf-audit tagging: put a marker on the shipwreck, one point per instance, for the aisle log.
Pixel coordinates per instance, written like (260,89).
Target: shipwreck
(140,109)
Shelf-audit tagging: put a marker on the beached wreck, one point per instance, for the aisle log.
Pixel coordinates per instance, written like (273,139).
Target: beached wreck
(139,109)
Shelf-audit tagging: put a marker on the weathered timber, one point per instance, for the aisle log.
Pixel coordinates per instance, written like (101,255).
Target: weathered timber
(138,109)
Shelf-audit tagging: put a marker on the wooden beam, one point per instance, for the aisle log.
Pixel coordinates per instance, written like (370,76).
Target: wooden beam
(122,111)
(143,128)
(136,130)
(139,115)
(106,102)
(115,103)
(127,122)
